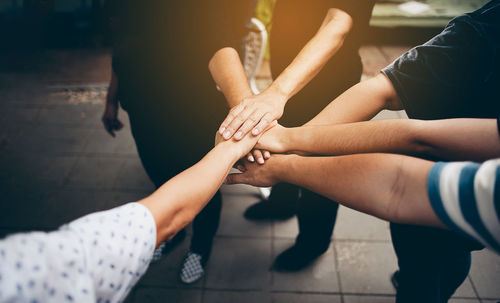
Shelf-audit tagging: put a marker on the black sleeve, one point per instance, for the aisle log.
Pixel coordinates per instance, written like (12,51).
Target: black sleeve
(440,78)
(231,18)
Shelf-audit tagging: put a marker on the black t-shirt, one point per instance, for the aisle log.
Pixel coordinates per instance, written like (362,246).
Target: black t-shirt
(176,36)
(455,74)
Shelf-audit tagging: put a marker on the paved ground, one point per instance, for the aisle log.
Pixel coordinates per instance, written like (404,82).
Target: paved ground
(57,163)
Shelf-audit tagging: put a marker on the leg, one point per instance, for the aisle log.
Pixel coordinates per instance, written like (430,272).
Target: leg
(282,204)
(205,226)
(433,263)
(316,215)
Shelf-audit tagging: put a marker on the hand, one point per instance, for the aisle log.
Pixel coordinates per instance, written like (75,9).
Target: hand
(258,155)
(254,113)
(255,174)
(110,118)
(273,140)
(237,148)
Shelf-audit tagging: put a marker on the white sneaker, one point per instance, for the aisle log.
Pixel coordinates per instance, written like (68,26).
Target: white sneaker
(255,49)
(192,270)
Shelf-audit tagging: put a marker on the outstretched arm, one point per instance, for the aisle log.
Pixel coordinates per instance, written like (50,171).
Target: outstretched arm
(178,201)
(391,187)
(256,113)
(451,139)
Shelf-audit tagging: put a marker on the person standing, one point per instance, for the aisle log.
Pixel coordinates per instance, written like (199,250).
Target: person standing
(160,77)
(325,67)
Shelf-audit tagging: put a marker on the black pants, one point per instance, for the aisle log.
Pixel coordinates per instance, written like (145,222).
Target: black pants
(433,263)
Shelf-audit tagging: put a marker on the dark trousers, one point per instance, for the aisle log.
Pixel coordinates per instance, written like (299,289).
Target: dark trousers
(167,147)
(433,262)
(316,215)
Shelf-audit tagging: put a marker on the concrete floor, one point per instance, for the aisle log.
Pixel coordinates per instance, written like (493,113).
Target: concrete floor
(57,163)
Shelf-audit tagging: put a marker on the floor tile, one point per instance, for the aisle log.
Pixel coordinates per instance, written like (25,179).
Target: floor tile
(320,276)
(50,139)
(460,300)
(231,296)
(158,295)
(373,60)
(465,290)
(366,267)
(354,225)
(81,115)
(301,298)
(102,142)
(368,299)
(95,173)
(286,229)
(234,224)
(132,176)
(239,264)
(485,274)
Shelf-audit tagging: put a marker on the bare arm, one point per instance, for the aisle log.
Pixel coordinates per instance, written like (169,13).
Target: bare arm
(360,103)
(256,113)
(451,139)
(178,201)
(391,187)
(228,73)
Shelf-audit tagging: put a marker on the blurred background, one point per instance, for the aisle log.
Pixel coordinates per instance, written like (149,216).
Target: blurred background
(57,162)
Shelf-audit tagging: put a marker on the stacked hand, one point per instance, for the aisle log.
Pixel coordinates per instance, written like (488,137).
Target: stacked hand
(254,115)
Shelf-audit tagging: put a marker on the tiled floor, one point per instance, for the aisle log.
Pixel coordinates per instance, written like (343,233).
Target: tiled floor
(57,163)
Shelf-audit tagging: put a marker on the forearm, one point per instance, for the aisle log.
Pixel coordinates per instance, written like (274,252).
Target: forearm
(311,59)
(452,139)
(178,201)
(229,75)
(391,187)
(112,96)
(359,103)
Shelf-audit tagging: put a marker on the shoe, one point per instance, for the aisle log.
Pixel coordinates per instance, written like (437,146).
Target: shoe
(254,51)
(166,247)
(395,279)
(295,258)
(268,210)
(192,269)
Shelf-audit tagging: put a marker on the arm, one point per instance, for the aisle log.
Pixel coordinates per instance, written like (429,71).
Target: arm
(110,116)
(259,111)
(177,202)
(229,75)
(360,103)
(394,187)
(451,139)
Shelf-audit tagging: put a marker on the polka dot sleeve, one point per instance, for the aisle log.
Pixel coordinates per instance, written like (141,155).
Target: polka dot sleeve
(97,258)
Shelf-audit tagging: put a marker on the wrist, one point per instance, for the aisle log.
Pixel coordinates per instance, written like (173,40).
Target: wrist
(280,94)
(278,165)
(230,151)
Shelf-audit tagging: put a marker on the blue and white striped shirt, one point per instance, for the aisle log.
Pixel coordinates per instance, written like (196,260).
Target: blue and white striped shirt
(466,198)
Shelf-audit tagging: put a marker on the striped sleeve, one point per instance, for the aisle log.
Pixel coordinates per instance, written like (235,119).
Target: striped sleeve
(466,198)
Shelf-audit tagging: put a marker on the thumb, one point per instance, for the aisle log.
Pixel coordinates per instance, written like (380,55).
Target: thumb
(236,178)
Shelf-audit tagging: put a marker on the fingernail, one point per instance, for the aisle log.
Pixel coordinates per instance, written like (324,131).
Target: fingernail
(255,131)
(238,135)
(260,160)
(267,155)
(221,131)
(227,134)
(251,159)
